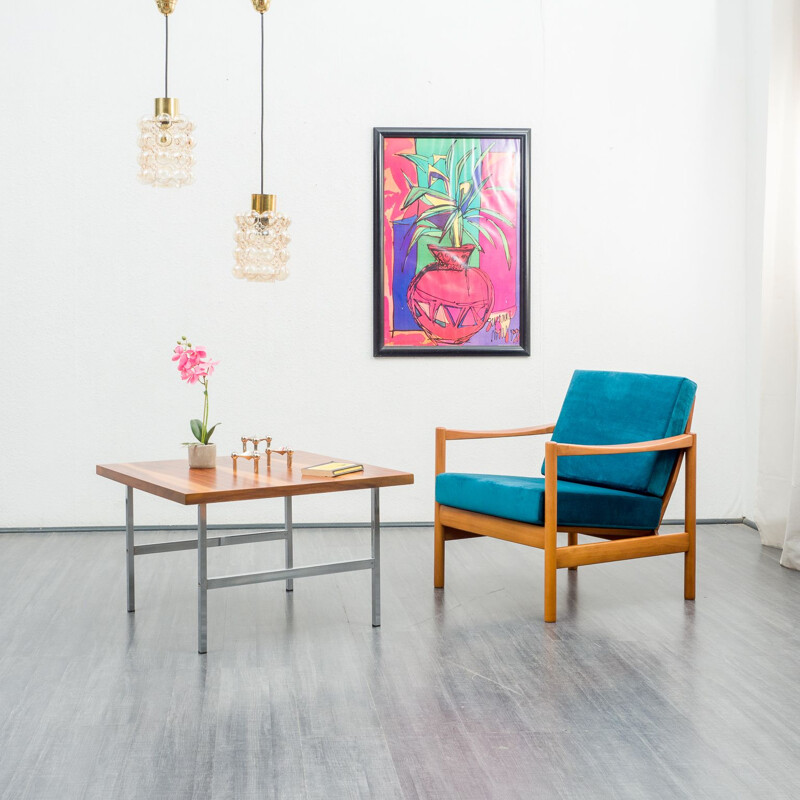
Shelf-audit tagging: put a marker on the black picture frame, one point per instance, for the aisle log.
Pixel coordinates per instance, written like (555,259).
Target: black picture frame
(520,345)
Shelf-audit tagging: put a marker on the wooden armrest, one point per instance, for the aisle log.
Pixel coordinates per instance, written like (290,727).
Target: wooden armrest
(682,442)
(452,433)
(443,434)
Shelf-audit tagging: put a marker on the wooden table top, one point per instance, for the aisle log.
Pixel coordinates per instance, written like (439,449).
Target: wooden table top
(174,480)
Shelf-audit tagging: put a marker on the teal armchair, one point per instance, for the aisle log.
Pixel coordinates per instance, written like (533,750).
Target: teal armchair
(609,471)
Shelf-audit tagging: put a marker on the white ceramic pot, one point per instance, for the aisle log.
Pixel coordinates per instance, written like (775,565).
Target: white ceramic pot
(202,456)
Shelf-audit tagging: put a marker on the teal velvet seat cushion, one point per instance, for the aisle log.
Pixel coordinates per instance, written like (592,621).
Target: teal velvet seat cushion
(620,408)
(522,499)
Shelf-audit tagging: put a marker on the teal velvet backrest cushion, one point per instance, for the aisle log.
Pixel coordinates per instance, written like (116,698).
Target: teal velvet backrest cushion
(620,408)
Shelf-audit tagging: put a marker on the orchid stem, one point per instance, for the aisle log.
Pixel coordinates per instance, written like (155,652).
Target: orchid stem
(205,413)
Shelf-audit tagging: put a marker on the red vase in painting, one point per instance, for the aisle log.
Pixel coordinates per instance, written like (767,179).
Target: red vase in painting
(449,300)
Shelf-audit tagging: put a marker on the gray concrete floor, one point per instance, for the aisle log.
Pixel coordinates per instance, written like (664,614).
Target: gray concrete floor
(464,693)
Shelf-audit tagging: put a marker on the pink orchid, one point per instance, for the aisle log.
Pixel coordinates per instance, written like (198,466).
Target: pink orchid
(195,366)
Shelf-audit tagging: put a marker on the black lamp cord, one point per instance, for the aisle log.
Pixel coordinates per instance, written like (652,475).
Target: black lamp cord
(262,102)
(166,53)
(166,78)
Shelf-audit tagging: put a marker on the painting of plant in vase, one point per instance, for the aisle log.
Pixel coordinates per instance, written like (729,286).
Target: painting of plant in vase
(451,243)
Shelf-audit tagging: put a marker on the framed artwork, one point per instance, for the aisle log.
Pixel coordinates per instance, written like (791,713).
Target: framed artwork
(451,242)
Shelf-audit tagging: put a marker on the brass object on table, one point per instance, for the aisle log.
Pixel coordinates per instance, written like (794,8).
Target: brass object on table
(261,5)
(254,456)
(284,451)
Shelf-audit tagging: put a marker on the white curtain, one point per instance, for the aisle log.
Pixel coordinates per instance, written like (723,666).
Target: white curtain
(778,488)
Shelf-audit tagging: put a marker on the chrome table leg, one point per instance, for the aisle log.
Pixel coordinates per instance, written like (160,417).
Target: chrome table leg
(129,547)
(287,507)
(376,559)
(202,579)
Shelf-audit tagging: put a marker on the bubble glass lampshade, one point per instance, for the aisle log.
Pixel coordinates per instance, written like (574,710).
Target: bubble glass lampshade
(262,234)
(165,139)
(262,242)
(166,142)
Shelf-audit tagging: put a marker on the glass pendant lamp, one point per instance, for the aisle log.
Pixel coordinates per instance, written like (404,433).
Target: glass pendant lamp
(262,238)
(165,139)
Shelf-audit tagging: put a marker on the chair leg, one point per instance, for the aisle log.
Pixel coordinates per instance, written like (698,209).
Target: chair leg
(550,530)
(549,585)
(689,559)
(689,573)
(438,550)
(572,540)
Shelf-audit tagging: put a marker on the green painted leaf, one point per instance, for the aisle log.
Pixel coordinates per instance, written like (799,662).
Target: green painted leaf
(481,157)
(436,210)
(451,220)
(423,162)
(418,192)
(421,231)
(450,168)
(448,159)
(503,240)
(474,192)
(497,215)
(426,224)
(469,226)
(437,194)
(462,162)
(475,213)
(427,228)
(474,239)
(485,231)
(415,194)
(209,432)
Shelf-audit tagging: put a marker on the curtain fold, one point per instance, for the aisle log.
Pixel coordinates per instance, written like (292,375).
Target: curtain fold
(778,481)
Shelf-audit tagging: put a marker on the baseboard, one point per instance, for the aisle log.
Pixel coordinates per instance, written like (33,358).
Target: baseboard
(298,525)
(709,521)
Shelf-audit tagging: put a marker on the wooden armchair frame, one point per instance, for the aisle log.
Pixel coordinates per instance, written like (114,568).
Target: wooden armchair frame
(622,543)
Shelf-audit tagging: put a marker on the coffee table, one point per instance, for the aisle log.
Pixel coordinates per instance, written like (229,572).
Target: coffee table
(174,480)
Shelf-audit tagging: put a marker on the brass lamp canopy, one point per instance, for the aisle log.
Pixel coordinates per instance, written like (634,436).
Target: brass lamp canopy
(264,202)
(261,5)
(166,7)
(167,105)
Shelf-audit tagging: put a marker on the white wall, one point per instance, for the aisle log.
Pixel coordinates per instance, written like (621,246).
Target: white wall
(638,218)
(758,50)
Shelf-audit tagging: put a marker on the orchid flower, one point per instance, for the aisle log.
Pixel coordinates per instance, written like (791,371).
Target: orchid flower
(195,366)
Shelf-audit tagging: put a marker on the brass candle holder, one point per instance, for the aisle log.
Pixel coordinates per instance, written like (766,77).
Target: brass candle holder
(254,456)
